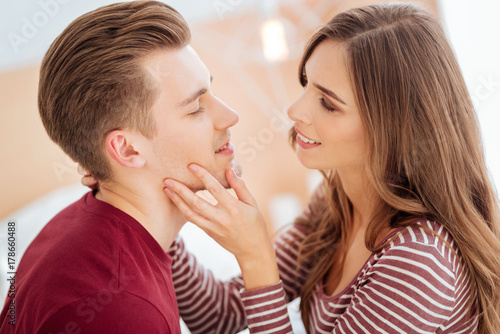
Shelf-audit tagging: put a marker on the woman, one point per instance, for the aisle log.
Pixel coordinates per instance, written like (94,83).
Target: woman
(403,234)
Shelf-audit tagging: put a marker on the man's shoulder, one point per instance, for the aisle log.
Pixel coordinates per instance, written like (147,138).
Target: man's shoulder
(72,234)
(74,259)
(85,256)
(113,310)
(77,246)
(86,213)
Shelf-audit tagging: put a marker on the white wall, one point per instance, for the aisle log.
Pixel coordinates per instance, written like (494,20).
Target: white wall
(27,27)
(474,30)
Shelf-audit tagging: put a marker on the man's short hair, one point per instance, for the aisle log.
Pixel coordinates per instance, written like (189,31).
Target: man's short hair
(92,81)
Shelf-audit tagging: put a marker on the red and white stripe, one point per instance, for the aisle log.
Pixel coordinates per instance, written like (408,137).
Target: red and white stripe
(416,284)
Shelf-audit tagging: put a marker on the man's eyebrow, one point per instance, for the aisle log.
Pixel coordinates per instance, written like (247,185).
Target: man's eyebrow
(329,93)
(195,96)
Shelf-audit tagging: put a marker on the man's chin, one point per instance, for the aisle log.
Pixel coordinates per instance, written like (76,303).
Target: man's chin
(237,167)
(221,177)
(199,187)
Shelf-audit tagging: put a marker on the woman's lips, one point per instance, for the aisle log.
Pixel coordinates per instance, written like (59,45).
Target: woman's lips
(305,142)
(305,145)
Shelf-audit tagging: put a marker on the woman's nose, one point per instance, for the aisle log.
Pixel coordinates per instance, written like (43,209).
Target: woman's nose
(298,111)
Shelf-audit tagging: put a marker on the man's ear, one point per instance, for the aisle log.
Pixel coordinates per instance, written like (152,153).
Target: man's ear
(120,147)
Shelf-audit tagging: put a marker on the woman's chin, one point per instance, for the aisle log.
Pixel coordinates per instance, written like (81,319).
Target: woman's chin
(307,163)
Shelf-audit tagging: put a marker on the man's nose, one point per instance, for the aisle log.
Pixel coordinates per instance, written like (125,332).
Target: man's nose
(224,117)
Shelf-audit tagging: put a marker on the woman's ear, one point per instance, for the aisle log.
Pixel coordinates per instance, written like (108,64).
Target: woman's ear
(120,147)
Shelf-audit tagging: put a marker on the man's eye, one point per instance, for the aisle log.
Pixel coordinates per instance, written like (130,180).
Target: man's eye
(194,113)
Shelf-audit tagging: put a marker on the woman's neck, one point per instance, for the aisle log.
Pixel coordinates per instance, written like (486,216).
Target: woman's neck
(360,193)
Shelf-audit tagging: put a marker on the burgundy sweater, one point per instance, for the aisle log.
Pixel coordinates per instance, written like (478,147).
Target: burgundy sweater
(93,269)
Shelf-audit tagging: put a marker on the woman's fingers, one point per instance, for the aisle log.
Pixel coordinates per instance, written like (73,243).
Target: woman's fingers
(89,181)
(235,223)
(240,188)
(83,171)
(188,213)
(196,204)
(212,185)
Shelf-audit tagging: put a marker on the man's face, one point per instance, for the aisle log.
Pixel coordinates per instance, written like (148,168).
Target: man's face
(192,124)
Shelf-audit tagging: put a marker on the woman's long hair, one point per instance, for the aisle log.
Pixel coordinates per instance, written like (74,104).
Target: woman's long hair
(425,152)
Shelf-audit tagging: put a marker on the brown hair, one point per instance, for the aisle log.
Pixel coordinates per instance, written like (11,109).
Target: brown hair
(425,151)
(92,82)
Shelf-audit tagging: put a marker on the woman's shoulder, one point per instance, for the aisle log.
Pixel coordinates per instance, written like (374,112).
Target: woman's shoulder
(419,269)
(424,244)
(423,231)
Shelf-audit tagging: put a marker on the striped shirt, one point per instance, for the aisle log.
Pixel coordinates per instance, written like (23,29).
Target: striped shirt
(416,284)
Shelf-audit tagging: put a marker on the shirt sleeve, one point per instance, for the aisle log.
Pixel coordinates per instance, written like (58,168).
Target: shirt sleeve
(208,305)
(287,245)
(124,313)
(410,289)
(266,310)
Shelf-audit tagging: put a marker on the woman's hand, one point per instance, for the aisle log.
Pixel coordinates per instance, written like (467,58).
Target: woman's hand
(87,179)
(236,224)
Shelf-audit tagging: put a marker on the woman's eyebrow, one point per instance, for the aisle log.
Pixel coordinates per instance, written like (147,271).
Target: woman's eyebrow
(329,93)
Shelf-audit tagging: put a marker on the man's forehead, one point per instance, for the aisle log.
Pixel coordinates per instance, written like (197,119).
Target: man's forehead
(180,75)
(175,63)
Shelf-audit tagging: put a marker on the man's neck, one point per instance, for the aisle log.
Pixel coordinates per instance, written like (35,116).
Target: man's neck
(149,206)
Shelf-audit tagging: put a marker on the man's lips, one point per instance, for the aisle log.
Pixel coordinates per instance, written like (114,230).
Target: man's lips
(223,145)
(226,149)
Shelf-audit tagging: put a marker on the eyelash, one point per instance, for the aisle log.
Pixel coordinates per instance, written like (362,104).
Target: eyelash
(196,112)
(322,100)
(326,105)
(304,80)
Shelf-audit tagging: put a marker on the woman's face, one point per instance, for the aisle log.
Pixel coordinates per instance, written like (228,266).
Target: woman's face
(327,120)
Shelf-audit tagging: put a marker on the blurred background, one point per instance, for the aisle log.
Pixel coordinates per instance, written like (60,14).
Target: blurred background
(252,47)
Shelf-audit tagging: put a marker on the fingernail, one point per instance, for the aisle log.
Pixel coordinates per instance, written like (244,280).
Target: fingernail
(169,192)
(169,184)
(194,168)
(233,173)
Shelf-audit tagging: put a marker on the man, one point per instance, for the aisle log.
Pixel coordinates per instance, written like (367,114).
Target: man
(124,95)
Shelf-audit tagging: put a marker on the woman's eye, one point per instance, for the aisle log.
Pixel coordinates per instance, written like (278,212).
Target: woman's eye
(326,105)
(303,80)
